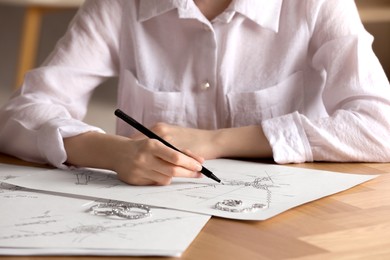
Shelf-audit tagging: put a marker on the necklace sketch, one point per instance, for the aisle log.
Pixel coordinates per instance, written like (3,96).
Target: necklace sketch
(203,192)
(237,206)
(264,190)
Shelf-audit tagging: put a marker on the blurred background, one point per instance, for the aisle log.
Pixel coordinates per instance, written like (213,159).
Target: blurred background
(29,30)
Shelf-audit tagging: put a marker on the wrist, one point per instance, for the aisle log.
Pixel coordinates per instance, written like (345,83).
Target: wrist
(92,149)
(241,142)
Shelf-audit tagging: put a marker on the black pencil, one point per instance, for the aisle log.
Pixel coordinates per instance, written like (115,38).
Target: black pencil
(131,121)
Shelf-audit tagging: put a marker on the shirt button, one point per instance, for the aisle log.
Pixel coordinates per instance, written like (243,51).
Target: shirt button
(205,85)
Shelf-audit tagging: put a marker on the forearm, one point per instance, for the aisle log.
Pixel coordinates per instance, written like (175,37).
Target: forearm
(241,142)
(92,149)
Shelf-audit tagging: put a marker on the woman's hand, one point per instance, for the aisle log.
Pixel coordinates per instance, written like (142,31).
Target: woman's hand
(148,162)
(137,162)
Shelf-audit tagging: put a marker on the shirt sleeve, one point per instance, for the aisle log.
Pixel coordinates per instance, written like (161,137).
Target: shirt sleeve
(53,99)
(355,94)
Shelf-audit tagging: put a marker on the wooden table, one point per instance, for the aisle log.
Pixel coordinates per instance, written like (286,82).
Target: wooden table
(354,224)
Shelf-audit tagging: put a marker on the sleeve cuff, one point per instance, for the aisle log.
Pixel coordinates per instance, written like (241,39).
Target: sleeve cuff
(287,138)
(50,138)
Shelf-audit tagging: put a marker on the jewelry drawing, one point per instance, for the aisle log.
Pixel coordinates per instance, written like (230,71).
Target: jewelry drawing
(236,206)
(121,210)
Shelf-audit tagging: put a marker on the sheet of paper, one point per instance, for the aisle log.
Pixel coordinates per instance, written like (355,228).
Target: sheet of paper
(277,187)
(43,223)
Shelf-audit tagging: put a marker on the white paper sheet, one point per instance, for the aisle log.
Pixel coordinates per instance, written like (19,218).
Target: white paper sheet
(278,187)
(42,223)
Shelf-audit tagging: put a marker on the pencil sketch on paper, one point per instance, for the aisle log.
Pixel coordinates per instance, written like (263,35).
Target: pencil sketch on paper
(75,229)
(259,188)
(266,184)
(86,176)
(37,223)
(278,187)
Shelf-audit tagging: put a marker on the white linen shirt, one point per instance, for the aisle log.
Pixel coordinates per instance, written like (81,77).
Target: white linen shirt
(303,70)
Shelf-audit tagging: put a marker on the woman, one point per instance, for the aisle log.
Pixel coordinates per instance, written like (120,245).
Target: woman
(293,80)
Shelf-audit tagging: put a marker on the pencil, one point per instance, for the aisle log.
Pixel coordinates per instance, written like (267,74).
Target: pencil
(131,121)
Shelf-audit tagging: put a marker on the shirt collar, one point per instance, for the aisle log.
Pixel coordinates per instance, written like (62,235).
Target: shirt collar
(265,13)
(152,8)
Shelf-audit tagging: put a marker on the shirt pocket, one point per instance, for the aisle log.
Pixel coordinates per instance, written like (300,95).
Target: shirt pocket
(250,108)
(150,106)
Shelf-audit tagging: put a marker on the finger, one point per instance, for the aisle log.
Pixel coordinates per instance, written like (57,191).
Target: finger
(145,177)
(152,170)
(161,179)
(158,178)
(160,166)
(174,157)
(172,170)
(164,177)
(138,136)
(137,180)
(200,159)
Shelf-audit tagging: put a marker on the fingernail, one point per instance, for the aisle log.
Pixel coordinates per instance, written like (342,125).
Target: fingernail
(198,167)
